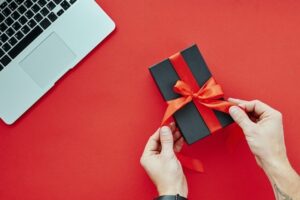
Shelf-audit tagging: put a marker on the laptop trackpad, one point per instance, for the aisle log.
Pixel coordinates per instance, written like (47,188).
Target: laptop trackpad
(47,62)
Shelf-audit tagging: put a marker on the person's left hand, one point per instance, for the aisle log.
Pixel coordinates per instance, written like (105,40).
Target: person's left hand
(161,164)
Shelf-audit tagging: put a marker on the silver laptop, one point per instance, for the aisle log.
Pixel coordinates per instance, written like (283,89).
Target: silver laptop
(40,40)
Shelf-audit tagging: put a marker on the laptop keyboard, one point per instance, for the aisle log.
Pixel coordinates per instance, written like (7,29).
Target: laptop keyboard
(22,21)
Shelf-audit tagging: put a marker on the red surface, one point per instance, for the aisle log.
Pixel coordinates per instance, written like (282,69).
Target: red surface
(83,140)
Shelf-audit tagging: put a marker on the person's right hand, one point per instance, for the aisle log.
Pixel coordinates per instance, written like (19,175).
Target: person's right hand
(263,129)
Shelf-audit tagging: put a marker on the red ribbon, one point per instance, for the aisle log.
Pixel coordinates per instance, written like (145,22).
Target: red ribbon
(209,96)
(206,99)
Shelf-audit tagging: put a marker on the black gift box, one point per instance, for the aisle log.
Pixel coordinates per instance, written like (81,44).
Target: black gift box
(188,119)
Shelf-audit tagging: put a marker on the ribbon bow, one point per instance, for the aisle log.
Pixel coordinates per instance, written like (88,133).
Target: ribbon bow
(209,95)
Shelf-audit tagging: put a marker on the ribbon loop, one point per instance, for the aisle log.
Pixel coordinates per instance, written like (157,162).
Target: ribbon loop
(209,95)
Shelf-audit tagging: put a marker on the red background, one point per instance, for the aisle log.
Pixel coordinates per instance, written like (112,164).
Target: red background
(83,140)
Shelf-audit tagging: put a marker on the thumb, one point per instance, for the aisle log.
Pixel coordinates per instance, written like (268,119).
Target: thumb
(166,140)
(240,117)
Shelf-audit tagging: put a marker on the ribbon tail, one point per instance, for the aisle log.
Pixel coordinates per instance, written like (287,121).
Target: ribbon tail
(173,106)
(234,139)
(219,105)
(191,163)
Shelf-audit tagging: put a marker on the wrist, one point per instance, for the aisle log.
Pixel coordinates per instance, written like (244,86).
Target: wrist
(277,168)
(273,166)
(174,192)
(170,197)
(283,178)
(174,189)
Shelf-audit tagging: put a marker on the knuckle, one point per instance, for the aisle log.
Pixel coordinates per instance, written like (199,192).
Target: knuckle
(278,114)
(166,139)
(151,137)
(256,101)
(239,118)
(169,155)
(142,161)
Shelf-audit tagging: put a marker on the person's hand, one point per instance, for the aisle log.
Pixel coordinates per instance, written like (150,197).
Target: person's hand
(160,162)
(262,126)
(263,129)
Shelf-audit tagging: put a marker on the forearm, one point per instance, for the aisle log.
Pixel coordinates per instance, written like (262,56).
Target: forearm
(284,179)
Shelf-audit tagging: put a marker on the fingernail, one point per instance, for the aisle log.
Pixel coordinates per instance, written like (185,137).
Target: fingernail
(171,125)
(233,109)
(164,130)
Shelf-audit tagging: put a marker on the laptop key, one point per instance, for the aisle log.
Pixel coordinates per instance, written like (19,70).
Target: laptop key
(21,9)
(29,14)
(65,5)
(72,1)
(28,3)
(12,41)
(3,27)
(42,2)
(50,5)
(25,29)
(19,35)
(57,1)
(6,47)
(45,23)
(60,12)
(1,67)
(52,16)
(15,15)
(25,42)
(3,38)
(1,53)
(35,8)
(44,11)
(31,23)
(9,21)
(23,20)
(10,32)
(6,12)
(38,17)
(16,26)
(13,6)
(1,17)
(5,60)
(3,5)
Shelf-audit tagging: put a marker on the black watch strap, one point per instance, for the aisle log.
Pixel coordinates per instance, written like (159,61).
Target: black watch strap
(170,197)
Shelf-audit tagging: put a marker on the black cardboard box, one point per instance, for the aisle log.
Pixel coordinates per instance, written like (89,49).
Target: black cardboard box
(188,119)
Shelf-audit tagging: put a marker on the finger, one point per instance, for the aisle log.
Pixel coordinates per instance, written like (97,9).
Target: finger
(178,145)
(240,117)
(172,126)
(176,135)
(166,140)
(236,101)
(257,107)
(153,144)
